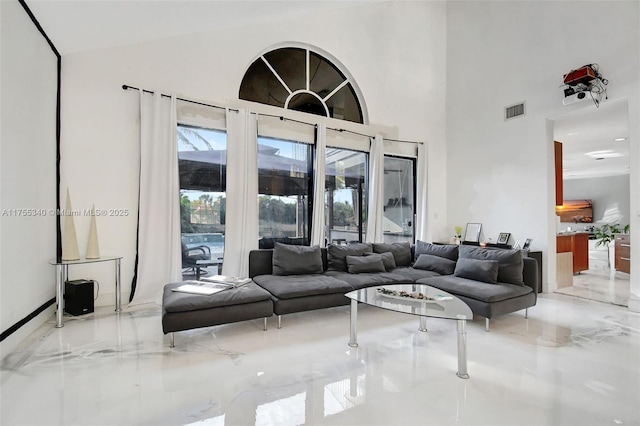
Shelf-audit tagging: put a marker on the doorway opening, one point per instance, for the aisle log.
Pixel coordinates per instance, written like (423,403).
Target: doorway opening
(595,174)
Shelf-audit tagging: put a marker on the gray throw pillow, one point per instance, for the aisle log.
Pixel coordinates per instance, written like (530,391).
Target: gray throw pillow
(429,262)
(388,260)
(336,254)
(360,264)
(296,260)
(448,251)
(478,270)
(510,261)
(401,252)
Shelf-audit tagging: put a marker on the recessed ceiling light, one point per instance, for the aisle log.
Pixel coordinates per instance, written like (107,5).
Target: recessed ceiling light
(606,153)
(620,139)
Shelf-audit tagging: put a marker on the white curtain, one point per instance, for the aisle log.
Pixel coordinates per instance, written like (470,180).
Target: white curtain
(421,193)
(158,257)
(241,229)
(375,215)
(319,173)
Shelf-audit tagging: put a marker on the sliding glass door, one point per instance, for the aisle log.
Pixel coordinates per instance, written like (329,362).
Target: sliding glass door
(202,164)
(345,195)
(399,194)
(284,182)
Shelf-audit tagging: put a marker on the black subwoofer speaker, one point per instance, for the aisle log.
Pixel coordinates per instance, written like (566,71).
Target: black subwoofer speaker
(78,297)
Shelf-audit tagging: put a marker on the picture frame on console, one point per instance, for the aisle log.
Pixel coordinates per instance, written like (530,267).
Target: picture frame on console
(503,238)
(527,244)
(472,233)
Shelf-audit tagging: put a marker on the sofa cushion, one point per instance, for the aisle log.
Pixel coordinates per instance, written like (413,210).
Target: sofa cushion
(401,252)
(413,274)
(336,254)
(362,280)
(358,264)
(296,260)
(479,270)
(429,262)
(510,262)
(448,251)
(292,286)
(387,258)
(174,301)
(473,289)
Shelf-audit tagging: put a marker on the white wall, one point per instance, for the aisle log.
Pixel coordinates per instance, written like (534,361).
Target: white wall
(500,172)
(395,51)
(27,172)
(609,195)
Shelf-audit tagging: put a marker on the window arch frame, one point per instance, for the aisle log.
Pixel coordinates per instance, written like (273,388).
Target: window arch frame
(330,59)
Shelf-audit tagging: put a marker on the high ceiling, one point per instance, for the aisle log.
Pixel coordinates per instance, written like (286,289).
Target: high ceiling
(76,26)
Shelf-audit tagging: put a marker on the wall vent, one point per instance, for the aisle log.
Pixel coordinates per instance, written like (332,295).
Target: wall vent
(514,111)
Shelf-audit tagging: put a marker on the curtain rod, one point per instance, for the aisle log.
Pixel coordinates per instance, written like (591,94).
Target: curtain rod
(285,119)
(127,87)
(370,136)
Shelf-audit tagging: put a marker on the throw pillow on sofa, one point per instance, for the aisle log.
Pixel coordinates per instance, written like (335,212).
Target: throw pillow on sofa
(296,260)
(401,252)
(448,251)
(387,258)
(336,254)
(361,264)
(478,270)
(429,262)
(510,262)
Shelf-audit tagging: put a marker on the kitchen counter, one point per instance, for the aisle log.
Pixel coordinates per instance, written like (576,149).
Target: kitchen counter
(576,243)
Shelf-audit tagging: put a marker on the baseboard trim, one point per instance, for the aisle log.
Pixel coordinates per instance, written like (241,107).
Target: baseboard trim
(15,327)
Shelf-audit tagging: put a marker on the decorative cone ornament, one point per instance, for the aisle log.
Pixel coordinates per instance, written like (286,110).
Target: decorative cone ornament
(93,249)
(69,238)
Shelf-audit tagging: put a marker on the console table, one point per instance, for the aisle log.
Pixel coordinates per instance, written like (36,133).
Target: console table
(62,274)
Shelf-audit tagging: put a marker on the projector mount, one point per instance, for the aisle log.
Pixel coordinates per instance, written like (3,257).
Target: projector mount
(582,82)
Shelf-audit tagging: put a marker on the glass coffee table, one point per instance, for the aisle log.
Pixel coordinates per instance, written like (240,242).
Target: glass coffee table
(439,304)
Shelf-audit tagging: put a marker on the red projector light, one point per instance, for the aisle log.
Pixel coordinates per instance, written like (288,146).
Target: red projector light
(582,75)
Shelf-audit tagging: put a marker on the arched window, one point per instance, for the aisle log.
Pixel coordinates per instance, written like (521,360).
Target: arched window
(300,79)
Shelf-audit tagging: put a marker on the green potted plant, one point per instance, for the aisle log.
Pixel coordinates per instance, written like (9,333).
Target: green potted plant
(605,234)
(458,236)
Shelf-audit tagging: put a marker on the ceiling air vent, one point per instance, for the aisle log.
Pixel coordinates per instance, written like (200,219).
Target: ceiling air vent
(514,111)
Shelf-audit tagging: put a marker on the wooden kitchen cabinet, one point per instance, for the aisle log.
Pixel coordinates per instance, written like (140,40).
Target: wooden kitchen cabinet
(578,244)
(623,252)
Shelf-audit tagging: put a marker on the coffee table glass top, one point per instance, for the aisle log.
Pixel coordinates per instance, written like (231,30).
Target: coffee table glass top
(447,306)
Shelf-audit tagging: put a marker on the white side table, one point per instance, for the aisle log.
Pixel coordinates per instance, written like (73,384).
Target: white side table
(62,274)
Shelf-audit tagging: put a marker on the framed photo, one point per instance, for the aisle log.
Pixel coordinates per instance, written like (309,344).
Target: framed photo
(472,233)
(527,244)
(503,238)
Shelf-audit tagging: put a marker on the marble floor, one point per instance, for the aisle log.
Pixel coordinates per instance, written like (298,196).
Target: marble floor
(601,284)
(572,362)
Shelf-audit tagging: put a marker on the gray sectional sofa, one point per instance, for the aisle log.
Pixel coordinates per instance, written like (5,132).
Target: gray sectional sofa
(492,282)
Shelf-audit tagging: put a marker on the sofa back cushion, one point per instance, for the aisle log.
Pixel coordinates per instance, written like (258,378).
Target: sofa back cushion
(448,251)
(429,262)
(360,264)
(401,252)
(510,262)
(478,270)
(336,254)
(296,260)
(387,258)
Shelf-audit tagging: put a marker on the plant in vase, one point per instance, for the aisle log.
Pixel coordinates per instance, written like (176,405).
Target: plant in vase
(605,235)
(458,235)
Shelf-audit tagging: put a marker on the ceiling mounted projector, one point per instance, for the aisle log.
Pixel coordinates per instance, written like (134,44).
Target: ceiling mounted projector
(576,97)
